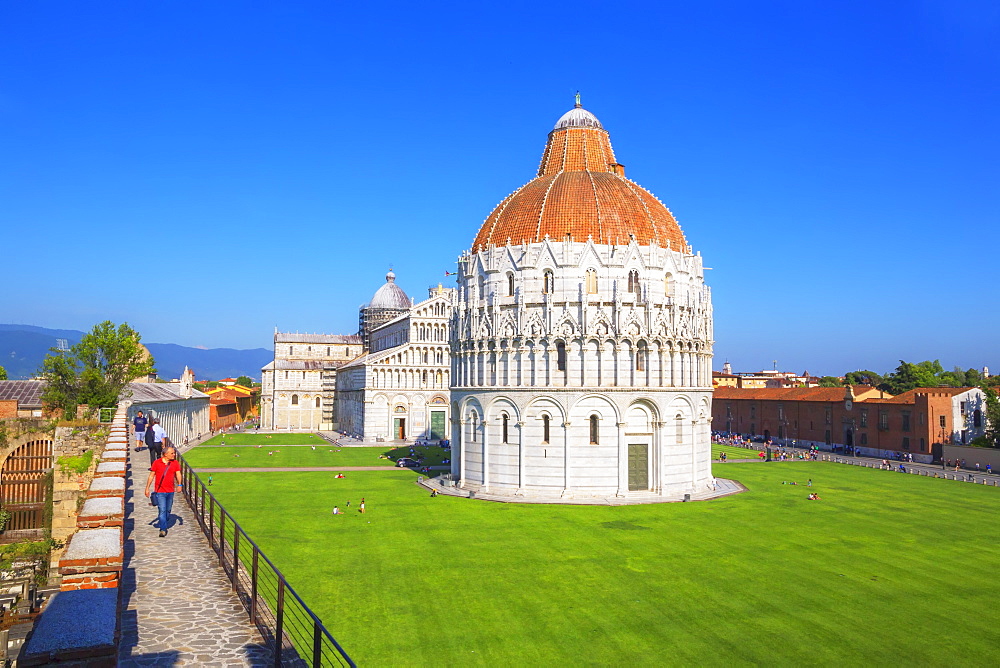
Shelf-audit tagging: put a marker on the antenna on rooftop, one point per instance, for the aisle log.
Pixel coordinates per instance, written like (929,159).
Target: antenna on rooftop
(775,362)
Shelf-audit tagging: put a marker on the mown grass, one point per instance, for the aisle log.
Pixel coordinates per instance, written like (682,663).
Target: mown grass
(292,456)
(253,438)
(888,569)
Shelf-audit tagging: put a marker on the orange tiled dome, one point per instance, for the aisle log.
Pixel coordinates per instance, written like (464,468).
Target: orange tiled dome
(580,190)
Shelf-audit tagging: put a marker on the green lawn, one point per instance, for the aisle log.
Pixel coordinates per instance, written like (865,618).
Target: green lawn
(324,455)
(887,569)
(251,438)
(733,452)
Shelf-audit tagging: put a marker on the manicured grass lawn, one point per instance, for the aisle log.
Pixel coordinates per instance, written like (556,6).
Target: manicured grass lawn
(324,455)
(733,452)
(251,438)
(888,569)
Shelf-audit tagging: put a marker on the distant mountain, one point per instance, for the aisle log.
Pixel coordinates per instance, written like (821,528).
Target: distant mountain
(23,347)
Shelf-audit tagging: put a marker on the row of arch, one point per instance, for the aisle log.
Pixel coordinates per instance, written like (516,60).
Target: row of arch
(590,283)
(414,379)
(433,355)
(437,309)
(576,364)
(430,332)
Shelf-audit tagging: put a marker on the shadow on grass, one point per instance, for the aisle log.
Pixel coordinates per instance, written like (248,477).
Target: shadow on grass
(427,455)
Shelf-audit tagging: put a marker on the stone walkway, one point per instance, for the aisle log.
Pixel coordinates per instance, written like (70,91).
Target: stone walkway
(178,608)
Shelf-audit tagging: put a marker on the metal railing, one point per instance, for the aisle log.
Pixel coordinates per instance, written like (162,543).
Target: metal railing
(295,635)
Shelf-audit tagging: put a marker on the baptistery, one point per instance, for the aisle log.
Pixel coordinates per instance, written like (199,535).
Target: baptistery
(581,337)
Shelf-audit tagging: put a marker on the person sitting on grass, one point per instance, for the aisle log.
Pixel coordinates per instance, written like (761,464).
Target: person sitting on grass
(336,510)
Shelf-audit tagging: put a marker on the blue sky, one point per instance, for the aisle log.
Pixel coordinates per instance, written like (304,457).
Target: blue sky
(206,171)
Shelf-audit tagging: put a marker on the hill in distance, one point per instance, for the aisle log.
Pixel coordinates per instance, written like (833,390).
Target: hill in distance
(23,347)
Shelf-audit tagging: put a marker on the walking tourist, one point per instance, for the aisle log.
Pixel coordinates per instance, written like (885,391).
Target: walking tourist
(139,425)
(166,474)
(361,508)
(159,440)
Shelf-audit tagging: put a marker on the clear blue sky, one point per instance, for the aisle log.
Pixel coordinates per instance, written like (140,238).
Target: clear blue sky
(206,171)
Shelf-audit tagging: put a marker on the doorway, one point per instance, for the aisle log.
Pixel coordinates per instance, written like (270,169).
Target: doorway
(399,428)
(437,425)
(638,467)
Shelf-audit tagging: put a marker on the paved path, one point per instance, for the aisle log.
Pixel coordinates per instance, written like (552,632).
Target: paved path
(177,606)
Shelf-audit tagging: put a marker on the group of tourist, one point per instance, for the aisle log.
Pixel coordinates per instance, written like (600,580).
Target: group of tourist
(361,507)
(164,469)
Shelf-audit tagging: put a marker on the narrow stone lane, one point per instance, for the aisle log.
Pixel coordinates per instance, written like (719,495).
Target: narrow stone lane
(177,606)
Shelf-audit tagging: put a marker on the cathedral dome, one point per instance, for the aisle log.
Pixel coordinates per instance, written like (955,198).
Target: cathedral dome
(581,191)
(390,295)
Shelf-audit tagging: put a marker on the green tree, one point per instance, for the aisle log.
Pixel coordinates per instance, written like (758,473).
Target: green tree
(245,381)
(862,378)
(992,417)
(909,376)
(95,370)
(3,373)
(830,381)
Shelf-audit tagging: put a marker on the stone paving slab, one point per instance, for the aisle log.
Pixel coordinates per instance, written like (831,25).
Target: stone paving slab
(104,506)
(107,486)
(110,469)
(74,621)
(94,544)
(178,608)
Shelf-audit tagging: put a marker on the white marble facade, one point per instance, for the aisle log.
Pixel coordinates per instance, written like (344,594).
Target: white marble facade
(298,387)
(399,390)
(582,369)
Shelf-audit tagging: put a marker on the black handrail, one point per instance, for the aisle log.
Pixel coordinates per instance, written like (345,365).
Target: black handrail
(288,641)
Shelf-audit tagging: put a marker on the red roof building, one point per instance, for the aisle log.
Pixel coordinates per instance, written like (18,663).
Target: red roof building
(918,422)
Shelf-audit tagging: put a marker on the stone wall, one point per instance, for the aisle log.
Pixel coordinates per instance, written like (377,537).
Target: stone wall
(91,564)
(70,489)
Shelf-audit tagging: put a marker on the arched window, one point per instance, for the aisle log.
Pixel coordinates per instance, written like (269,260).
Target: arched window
(591,282)
(328,351)
(548,282)
(295,400)
(560,356)
(475,425)
(482,287)
(666,285)
(289,350)
(506,422)
(633,282)
(640,359)
(510,284)
(317,402)
(594,432)
(545,428)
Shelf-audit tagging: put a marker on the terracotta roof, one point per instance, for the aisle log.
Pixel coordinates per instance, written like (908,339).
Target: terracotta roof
(909,396)
(791,393)
(580,190)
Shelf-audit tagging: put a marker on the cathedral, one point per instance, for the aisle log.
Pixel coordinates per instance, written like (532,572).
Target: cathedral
(581,337)
(572,360)
(387,382)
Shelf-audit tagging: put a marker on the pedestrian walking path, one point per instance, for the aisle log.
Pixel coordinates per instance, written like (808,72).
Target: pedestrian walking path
(177,605)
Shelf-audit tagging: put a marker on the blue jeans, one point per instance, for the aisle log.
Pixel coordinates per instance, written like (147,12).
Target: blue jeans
(164,503)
